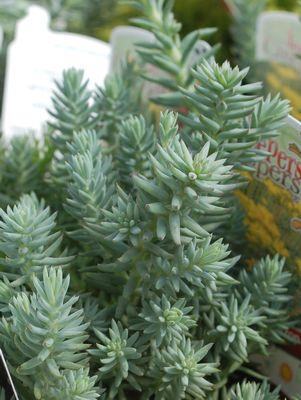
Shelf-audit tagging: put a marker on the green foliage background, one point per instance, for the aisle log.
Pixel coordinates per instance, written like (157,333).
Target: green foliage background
(195,14)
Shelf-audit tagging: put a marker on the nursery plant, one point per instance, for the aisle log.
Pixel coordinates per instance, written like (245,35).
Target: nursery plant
(115,280)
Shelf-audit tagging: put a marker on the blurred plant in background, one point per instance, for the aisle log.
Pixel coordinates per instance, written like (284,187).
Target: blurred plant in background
(289,5)
(74,15)
(243,29)
(194,14)
(98,17)
(245,15)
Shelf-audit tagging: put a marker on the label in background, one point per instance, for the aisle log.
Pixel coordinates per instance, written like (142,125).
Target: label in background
(36,58)
(278,55)
(272,200)
(6,381)
(124,40)
(279,38)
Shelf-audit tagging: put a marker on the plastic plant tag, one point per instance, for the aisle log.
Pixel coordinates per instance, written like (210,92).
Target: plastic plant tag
(272,201)
(6,381)
(279,38)
(35,59)
(278,55)
(123,41)
(200,49)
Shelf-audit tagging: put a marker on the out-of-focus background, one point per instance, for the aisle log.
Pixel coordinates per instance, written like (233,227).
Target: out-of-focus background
(97,18)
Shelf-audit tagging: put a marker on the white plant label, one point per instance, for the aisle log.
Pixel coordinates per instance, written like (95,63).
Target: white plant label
(123,42)
(36,58)
(200,49)
(125,38)
(279,38)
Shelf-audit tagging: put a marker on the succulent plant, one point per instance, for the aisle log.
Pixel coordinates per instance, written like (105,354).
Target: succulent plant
(146,301)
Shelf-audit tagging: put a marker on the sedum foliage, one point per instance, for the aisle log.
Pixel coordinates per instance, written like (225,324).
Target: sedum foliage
(71,110)
(231,114)
(117,100)
(124,288)
(44,339)
(136,140)
(28,241)
(180,372)
(169,53)
(251,391)
(120,355)
(267,286)
(22,168)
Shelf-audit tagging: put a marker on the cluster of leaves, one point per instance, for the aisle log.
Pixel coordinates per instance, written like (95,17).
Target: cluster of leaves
(22,168)
(163,311)
(169,53)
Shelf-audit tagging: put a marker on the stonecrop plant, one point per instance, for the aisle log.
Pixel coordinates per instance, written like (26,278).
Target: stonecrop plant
(116,282)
